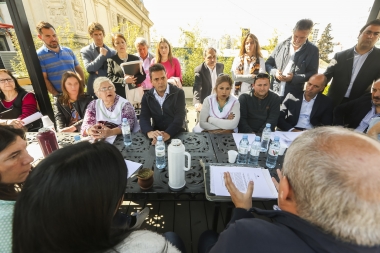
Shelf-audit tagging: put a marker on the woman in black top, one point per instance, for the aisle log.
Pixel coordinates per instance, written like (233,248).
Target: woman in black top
(70,106)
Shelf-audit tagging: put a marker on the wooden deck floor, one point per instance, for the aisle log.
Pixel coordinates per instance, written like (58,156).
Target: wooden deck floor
(189,218)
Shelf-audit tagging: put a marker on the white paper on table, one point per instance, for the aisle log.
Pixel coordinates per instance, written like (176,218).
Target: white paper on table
(32,118)
(111,139)
(286,138)
(132,167)
(263,185)
(35,151)
(238,137)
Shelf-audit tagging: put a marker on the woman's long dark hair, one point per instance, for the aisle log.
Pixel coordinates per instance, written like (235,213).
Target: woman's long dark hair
(18,88)
(8,135)
(69,202)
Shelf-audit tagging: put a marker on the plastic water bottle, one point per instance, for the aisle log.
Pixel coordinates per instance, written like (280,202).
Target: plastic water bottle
(126,130)
(76,139)
(243,150)
(255,152)
(160,153)
(273,153)
(265,137)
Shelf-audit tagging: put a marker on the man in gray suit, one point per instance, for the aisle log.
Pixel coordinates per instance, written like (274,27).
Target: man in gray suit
(95,55)
(354,70)
(142,48)
(205,77)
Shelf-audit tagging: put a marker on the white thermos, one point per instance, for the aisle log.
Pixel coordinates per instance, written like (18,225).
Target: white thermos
(176,164)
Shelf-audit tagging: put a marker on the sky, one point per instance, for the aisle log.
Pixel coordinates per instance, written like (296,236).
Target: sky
(216,18)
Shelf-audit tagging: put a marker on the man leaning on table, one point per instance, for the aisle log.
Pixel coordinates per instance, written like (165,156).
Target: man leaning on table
(258,106)
(162,107)
(325,203)
(305,110)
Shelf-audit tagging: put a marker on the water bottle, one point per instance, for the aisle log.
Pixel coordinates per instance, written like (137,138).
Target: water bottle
(273,153)
(126,130)
(255,152)
(160,153)
(243,150)
(76,139)
(265,137)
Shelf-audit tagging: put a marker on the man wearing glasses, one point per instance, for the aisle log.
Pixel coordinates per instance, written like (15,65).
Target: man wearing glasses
(205,77)
(354,69)
(258,106)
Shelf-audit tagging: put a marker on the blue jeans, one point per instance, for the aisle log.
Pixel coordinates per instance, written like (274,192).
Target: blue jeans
(207,240)
(174,239)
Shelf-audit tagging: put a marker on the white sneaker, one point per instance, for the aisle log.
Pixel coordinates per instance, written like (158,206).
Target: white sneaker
(140,217)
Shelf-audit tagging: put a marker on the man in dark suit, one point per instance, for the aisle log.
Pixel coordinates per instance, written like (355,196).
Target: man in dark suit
(205,77)
(358,113)
(354,69)
(95,55)
(308,109)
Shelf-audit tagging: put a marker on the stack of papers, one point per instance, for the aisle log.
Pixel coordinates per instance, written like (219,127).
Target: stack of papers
(286,138)
(263,185)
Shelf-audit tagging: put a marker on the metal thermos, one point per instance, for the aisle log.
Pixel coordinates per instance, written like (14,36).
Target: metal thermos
(176,164)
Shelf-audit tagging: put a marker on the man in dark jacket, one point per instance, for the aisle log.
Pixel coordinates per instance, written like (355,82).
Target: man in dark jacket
(307,109)
(164,104)
(293,61)
(325,203)
(358,113)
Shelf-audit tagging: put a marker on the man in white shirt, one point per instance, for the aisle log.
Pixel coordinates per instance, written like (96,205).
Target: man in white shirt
(205,77)
(142,48)
(308,109)
(353,70)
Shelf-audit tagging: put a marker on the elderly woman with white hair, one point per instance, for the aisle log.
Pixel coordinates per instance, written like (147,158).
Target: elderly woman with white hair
(104,115)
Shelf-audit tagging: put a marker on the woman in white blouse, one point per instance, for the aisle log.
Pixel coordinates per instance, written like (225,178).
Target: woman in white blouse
(221,110)
(247,65)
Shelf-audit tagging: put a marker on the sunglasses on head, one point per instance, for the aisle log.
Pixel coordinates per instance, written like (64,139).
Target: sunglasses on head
(261,75)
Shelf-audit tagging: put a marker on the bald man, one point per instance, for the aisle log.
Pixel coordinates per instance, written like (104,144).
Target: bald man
(306,110)
(328,200)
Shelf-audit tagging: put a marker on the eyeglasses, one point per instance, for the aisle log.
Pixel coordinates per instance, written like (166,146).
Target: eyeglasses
(8,80)
(261,75)
(104,89)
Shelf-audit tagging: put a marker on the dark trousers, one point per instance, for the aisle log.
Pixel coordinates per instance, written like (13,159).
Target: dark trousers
(207,240)
(175,240)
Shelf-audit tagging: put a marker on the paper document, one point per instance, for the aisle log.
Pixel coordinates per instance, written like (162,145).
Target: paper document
(286,138)
(32,118)
(111,139)
(263,185)
(238,137)
(132,167)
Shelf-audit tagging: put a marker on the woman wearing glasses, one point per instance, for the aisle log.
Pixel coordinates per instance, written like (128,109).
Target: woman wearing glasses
(127,86)
(104,115)
(247,65)
(220,111)
(70,106)
(15,103)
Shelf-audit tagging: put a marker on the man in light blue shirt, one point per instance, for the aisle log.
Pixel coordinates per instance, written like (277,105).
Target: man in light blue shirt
(302,111)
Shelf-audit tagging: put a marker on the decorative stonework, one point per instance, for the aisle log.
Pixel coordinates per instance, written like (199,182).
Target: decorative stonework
(57,12)
(79,19)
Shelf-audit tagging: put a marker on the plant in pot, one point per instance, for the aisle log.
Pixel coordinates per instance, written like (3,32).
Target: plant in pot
(145,178)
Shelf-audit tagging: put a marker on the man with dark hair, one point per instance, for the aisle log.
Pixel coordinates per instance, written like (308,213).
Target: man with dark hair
(164,104)
(307,109)
(359,112)
(205,77)
(293,61)
(354,69)
(55,59)
(95,55)
(327,200)
(258,106)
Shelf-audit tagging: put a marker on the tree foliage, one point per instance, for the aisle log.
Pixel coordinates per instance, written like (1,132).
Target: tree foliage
(325,44)
(272,43)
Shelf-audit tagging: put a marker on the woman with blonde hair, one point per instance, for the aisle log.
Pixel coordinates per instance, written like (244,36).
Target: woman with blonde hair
(247,65)
(164,56)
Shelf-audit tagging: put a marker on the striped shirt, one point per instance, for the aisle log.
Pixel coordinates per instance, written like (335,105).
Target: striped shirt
(55,64)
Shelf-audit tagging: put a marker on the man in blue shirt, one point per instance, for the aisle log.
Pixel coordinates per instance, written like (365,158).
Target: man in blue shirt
(55,59)
(359,112)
